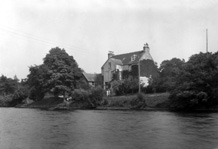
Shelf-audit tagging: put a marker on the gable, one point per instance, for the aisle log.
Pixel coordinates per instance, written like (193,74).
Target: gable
(113,62)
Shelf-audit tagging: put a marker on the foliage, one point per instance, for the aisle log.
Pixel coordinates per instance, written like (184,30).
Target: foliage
(84,85)
(7,85)
(58,74)
(168,72)
(37,81)
(5,100)
(126,86)
(12,92)
(138,102)
(197,83)
(96,96)
(87,98)
(99,80)
(148,68)
(79,95)
(19,95)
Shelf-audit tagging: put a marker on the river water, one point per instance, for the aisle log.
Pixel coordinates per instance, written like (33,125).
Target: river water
(96,129)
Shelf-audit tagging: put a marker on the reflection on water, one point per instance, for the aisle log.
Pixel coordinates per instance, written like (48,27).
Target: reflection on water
(31,128)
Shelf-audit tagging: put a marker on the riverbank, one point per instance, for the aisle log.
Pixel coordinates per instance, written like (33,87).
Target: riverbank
(109,103)
(124,102)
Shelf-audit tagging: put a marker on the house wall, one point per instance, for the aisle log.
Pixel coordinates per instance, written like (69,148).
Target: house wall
(147,68)
(108,69)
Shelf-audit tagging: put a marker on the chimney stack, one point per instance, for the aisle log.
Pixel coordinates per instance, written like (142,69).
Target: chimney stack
(110,54)
(146,48)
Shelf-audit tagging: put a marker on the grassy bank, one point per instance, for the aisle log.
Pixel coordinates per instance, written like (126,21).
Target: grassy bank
(46,103)
(124,102)
(116,102)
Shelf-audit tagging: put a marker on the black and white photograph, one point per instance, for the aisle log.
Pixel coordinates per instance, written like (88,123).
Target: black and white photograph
(108,74)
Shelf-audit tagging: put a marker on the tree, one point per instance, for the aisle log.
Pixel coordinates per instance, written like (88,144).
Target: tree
(99,80)
(38,81)
(7,85)
(12,92)
(168,72)
(58,74)
(197,83)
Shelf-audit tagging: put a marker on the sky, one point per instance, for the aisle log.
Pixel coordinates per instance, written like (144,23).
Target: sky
(88,29)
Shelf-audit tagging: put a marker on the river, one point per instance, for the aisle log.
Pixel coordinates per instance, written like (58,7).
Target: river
(96,129)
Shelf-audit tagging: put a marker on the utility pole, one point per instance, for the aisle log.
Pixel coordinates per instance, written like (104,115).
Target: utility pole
(139,77)
(206,40)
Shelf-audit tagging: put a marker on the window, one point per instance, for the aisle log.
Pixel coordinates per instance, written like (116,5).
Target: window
(133,57)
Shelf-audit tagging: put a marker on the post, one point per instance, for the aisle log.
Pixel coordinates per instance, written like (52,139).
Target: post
(139,77)
(206,40)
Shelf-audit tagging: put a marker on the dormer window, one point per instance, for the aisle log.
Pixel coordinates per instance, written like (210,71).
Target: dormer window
(133,57)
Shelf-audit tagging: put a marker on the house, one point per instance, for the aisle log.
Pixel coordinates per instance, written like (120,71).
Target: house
(89,78)
(124,65)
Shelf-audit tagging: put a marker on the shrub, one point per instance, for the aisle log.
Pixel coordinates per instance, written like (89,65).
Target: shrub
(36,94)
(188,100)
(96,95)
(196,83)
(87,99)
(19,95)
(138,102)
(5,100)
(126,86)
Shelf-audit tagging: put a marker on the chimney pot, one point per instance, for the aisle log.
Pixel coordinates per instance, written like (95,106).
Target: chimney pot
(110,54)
(146,47)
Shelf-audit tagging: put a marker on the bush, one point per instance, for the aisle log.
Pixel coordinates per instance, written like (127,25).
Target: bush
(188,100)
(138,102)
(196,83)
(19,95)
(148,89)
(12,100)
(96,95)
(36,94)
(87,99)
(5,100)
(126,86)
(80,98)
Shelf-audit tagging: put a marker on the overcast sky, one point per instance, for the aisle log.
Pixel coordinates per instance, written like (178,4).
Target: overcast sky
(88,29)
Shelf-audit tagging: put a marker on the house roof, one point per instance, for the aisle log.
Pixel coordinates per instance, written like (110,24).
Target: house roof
(90,77)
(129,58)
(132,57)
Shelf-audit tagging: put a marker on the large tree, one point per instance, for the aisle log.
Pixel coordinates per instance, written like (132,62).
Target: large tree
(168,72)
(38,81)
(58,74)
(197,83)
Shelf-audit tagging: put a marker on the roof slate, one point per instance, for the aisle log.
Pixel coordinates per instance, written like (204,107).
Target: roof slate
(89,76)
(127,57)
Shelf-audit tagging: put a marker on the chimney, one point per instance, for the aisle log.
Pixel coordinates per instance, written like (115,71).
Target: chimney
(146,48)
(110,54)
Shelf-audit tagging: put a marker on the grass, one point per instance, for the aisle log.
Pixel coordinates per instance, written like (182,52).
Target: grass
(152,100)
(115,102)
(45,103)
